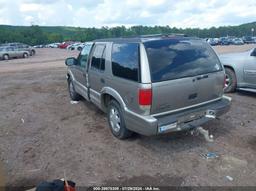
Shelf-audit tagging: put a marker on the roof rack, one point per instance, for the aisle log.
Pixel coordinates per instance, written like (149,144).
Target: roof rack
(140,38)
(163,35)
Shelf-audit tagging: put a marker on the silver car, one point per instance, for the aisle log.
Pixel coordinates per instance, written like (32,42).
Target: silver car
(21,46)
(7,53)
(150,85)
(240,70)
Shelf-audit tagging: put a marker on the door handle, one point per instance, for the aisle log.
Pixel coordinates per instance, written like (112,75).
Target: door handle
(202,77)
(102,80)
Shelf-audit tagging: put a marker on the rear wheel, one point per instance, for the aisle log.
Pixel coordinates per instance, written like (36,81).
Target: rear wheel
(25,55)
(116,121)
(6,57)
(73,95)
(79,48)
(231,82)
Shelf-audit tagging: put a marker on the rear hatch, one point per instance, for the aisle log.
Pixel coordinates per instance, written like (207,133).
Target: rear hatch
(184,73)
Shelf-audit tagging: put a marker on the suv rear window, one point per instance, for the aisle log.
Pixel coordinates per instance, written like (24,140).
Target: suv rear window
(125,61)
(179,58)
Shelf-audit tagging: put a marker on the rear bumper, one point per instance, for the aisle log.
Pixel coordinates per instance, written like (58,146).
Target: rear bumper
(182,120)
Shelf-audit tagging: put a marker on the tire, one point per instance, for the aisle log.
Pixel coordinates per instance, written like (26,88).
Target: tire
(72,93)
(79,49)
(116,121)
(6,57)
(33,53)
(25,55)
(231,81)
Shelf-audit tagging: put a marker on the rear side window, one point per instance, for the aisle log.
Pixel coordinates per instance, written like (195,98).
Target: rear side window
(98,57)
(178,58)
(125,60)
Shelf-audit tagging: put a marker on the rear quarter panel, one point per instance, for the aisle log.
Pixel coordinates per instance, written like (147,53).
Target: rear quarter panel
(127,89)
(235,61)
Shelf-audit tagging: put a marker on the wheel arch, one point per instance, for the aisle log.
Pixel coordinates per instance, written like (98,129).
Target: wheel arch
(69,75)
(108,94)
(230,67)
(238,73)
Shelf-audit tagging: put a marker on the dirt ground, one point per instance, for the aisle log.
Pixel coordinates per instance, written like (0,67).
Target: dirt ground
(42,135)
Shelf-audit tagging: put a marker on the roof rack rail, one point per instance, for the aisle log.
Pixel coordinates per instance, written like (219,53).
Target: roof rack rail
(164,35)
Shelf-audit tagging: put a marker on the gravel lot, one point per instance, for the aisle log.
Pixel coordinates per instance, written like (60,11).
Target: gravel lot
(42,135)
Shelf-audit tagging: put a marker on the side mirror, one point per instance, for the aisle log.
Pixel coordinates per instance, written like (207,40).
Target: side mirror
(71,61)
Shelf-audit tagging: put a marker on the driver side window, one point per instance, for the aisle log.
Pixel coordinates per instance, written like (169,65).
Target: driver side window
(84,55)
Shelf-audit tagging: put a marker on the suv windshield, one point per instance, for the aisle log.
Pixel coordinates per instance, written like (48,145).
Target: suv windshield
(178,58)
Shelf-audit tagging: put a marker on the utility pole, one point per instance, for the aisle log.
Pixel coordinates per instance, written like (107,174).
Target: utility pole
(252,31)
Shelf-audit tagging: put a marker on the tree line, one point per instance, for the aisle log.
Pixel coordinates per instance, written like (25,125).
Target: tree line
(34,35)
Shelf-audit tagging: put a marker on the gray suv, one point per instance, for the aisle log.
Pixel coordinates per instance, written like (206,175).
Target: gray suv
(150,85)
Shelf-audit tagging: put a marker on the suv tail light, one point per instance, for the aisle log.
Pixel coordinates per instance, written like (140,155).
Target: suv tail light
(145,97)
(145,100)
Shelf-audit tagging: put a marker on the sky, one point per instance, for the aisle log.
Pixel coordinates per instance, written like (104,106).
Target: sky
(98,13)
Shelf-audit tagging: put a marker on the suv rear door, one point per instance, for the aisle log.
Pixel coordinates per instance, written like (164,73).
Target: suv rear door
(184,73)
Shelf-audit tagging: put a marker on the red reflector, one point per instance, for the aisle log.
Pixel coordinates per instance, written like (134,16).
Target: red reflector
(145,96)
(225,81)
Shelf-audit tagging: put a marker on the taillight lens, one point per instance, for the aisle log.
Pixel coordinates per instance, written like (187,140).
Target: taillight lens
(145,97)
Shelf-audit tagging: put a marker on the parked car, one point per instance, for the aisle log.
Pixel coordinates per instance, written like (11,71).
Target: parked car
(26,47)
(254,39)
(7,53)
(150,85)
(39,46)
(213,41)
(240,70)
(248,40)
(53,45)
(237,41)
(64,45)
(21,46)
(225,41)
(76,46)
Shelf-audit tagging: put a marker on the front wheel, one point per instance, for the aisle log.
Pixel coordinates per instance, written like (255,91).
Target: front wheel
(231,82)
(73,95)
(33,53)
(116,121)
(6,57)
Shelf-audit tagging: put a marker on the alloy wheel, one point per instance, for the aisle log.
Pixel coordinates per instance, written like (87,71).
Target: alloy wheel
(114,119)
